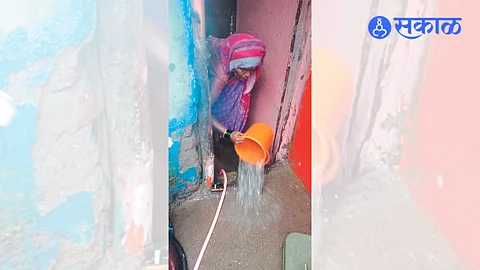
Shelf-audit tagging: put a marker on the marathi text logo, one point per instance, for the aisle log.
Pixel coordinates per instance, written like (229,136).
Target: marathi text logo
(380,27)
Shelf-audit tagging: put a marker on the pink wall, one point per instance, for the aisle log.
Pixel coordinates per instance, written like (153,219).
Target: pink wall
(299,72)
(272,21)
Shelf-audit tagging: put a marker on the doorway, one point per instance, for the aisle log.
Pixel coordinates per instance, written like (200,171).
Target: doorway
(220,17)
(285,28)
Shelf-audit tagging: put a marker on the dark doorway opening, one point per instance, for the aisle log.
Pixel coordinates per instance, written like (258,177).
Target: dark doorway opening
(220,17)
(220,22)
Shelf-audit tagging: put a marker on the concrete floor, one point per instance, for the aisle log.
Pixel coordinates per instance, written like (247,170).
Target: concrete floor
(231,245)
(372,223)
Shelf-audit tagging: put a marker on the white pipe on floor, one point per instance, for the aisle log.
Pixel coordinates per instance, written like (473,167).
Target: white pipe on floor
(217,214)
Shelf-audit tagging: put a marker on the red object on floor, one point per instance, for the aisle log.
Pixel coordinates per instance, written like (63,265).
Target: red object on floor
(445,150)
(300,152)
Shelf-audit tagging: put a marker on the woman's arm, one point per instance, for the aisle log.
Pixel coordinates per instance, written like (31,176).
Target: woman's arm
(217,84)
(218,126)
(235,137)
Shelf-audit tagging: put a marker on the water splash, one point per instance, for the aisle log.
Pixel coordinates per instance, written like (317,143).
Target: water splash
(257,206)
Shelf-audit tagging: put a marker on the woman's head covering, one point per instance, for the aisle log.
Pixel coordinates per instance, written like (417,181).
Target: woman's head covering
(240,51)
(237,51)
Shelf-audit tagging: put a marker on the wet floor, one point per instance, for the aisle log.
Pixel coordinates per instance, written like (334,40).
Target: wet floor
(368,224)
(231,245)
(372,223)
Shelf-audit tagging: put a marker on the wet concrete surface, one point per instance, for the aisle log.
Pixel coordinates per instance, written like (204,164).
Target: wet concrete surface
(231,245)
(372,223)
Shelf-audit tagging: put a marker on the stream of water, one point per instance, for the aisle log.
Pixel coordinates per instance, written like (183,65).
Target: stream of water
(257,206)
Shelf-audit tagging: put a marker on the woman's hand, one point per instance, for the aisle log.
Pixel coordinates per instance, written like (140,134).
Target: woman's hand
(237,137)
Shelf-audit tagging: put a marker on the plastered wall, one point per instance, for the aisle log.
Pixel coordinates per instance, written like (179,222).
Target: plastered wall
(76,161)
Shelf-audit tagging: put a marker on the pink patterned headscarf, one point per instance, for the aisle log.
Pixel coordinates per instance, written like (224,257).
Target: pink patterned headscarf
(237,51)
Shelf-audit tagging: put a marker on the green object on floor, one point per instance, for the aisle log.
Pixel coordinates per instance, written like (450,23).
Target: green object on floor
(297,252)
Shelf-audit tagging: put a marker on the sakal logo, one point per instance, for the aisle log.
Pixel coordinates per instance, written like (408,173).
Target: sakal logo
(380,27)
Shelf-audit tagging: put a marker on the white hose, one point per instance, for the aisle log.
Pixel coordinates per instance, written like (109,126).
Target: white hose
(205,244)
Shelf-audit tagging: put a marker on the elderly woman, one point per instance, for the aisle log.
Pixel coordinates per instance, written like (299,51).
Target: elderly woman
(235,67)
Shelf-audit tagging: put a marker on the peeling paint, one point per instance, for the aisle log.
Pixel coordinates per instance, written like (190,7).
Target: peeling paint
(23,43)
(134,238)
(53,200)
(72,220)
(184,161)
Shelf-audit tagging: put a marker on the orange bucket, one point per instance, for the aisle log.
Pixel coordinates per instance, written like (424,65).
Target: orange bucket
(332,94)
(258,139)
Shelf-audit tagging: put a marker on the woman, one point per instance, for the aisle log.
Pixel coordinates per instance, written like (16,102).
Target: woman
(235,67)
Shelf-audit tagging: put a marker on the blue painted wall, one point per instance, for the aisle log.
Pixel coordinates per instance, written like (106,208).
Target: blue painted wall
(184,162)
(32,237)
(76,160)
